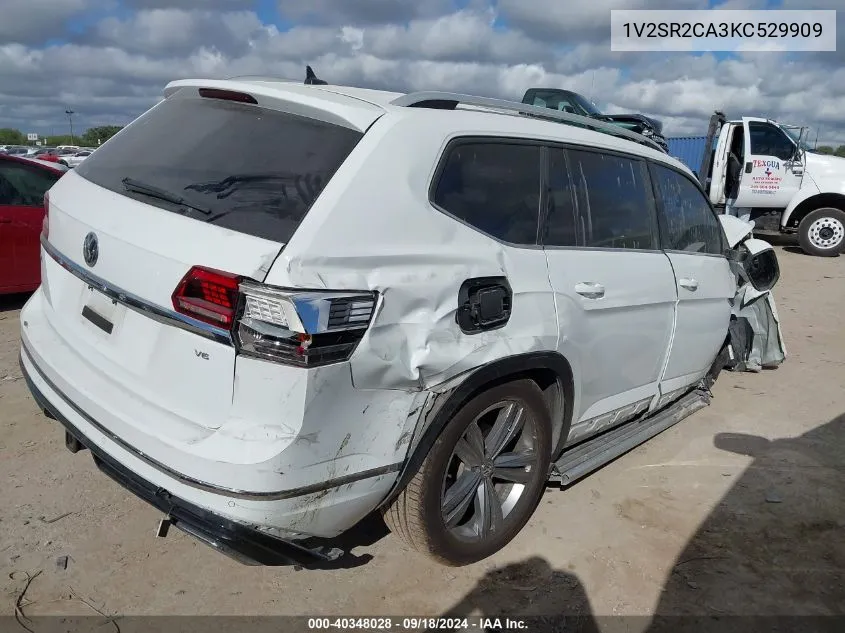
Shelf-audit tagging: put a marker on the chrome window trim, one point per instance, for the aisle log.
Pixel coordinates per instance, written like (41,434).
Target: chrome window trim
(136,303)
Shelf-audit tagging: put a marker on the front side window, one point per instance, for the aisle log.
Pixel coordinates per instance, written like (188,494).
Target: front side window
(689,222)
(25,186)
(613,201)
(494,187)
(769,140)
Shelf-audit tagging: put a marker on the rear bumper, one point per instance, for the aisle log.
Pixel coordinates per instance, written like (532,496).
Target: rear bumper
(239,541)
(308,471)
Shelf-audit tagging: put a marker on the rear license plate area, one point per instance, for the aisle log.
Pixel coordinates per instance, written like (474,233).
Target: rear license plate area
(99,310)
(98,319)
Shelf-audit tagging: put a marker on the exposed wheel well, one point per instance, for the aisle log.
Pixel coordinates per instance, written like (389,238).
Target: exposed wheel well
(835,200)
(558,392)
(549,370)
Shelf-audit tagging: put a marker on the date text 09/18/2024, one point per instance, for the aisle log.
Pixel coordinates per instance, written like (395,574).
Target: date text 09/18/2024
(418,623)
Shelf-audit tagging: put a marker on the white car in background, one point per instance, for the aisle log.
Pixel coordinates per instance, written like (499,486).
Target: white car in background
(75,160)
(427,304)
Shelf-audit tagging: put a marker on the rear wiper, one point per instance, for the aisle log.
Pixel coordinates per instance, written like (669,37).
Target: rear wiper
(130,184)
(307,186)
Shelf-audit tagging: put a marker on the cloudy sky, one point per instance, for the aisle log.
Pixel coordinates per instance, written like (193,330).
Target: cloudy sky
(108,60)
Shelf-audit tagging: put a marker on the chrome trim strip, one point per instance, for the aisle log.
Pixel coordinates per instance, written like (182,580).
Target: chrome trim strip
(136,303)
(196,483)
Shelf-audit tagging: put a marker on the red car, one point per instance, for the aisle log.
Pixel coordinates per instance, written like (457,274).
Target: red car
(23,184)
(57,155)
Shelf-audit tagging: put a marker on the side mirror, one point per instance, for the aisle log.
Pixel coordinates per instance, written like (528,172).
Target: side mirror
(759,264)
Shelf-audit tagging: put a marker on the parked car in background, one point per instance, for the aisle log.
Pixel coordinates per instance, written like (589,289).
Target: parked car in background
(74,160)
(23,183)
(574,103)
(16,150)
(58,155)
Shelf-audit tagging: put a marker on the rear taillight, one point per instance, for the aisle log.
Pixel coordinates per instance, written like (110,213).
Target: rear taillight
(208,295)
(303,328)
(306,328)
(45,223)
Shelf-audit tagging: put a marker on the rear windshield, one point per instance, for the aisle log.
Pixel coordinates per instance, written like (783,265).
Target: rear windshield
(242,167)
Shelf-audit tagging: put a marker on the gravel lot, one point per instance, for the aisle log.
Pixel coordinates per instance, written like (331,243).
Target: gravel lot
(692,522)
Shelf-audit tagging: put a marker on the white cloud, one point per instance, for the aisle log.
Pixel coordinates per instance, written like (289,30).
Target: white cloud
(117,68)
(359,12)
(178,31)
(33,21)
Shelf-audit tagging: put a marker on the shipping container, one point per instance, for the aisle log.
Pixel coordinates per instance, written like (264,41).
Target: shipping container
(688,150)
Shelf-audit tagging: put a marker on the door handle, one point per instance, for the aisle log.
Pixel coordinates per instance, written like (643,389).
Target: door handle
(590,289)
(5,221)
(688,283)
(748,167)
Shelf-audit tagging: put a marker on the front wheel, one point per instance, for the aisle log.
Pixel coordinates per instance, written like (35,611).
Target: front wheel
(822,232)
(482,479)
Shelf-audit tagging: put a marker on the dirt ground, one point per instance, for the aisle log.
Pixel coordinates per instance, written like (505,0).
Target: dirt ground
(739,509)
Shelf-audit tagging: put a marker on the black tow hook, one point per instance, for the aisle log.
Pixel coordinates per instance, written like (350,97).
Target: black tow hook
(73,444)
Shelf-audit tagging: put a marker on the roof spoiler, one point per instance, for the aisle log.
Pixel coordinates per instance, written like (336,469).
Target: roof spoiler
(311,78)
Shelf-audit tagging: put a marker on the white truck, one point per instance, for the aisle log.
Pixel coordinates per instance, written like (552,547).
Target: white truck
(763,169)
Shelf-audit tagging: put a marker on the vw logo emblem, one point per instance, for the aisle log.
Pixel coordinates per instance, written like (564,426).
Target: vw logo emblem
(90,249)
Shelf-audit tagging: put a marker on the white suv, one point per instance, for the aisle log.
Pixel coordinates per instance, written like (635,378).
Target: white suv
(270,309)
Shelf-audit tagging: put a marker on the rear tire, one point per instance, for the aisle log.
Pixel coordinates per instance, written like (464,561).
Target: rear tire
(822,232)
(468,500)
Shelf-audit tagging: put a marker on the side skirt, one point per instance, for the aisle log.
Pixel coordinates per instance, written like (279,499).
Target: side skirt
(584,458)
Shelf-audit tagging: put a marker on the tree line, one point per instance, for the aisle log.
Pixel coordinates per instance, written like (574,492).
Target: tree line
(827,149)
(90,138)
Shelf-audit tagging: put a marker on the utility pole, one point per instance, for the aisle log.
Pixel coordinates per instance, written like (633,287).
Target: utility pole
(70,114)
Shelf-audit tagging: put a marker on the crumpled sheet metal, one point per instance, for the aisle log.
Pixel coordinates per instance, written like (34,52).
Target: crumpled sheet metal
(415,342)
(766,347)
(363,235)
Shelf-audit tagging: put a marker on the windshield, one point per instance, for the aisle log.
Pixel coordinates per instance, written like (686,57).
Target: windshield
(564,101)
(795,134)
(252,170)
(585,103)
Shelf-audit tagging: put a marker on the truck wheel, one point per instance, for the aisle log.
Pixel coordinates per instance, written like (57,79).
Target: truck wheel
(482,479)
(822,232)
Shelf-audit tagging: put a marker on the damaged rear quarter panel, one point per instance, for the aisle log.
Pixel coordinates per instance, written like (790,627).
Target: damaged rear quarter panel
(373,228)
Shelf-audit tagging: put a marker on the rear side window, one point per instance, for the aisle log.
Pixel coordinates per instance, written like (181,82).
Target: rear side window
(614,207)
(689,222)
(22,185)
(250,169)
(494,187)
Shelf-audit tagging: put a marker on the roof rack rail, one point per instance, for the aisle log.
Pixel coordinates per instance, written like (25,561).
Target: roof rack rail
(450,100)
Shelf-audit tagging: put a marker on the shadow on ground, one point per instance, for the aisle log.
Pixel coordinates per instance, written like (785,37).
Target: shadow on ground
(13,302)
(773,546)
(799,251)
(788,240)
